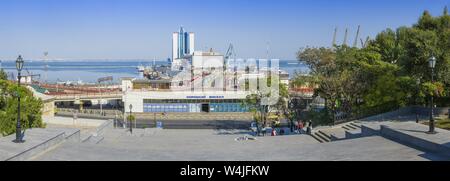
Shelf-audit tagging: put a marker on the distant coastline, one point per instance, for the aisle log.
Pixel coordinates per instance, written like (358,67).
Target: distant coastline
(89,70)
(105,60)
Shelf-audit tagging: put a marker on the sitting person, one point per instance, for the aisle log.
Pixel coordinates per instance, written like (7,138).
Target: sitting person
(274,132)
(300,127)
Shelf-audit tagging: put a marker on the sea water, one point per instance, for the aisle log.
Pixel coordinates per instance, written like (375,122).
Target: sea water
(90,71)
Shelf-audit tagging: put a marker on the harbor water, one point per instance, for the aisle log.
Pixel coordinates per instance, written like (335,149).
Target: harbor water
(90,71)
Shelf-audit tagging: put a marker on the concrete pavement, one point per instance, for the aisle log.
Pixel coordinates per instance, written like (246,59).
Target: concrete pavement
(221,145)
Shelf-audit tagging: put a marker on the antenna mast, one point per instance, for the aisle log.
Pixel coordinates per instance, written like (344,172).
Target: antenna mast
(45,67)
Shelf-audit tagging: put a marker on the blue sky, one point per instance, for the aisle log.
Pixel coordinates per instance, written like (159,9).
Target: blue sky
(141,29)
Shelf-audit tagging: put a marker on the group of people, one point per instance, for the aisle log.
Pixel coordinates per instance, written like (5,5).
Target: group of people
(301,125)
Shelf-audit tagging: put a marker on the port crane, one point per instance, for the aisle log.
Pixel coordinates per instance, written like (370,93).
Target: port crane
(364,43)
(32,75)
(355,43)
(334,37)
(345,37)
(230,52)
(45,66)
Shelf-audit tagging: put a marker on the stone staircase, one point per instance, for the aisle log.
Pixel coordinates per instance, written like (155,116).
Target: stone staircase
(321,136)
(37,141)
(94,139)
(335,133)
(97,136)
(351,126)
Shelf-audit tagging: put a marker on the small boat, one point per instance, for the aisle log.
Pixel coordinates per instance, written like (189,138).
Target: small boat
(141,68)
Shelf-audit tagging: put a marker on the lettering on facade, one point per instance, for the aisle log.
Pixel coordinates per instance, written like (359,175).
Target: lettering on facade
(204,97)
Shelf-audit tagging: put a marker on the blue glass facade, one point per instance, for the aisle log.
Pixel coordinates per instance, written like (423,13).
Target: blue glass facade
(194,106)
(183,43)
(227,107)
(171,107)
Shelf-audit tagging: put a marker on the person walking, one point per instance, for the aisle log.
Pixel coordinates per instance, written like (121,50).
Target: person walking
(309,128)
(75,117)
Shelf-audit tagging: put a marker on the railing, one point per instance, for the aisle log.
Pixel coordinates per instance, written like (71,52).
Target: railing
(90,113)
(301,94)
(342,117)
(87,95)
(185,89)
(111,111)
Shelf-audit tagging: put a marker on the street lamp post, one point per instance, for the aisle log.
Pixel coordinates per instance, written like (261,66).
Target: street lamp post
(131,126)
(19,66)
(115,119)
(417,95)
(432,65)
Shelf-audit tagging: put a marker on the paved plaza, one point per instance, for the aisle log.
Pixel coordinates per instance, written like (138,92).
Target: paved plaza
(155,144)
(396,139)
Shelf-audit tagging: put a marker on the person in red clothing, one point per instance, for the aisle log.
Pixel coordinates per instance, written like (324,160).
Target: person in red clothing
(300,127)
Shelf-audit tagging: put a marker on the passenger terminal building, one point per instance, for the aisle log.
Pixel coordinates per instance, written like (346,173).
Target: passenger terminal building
(194,82)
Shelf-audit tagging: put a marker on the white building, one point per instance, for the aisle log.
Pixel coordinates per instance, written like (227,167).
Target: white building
(198,82)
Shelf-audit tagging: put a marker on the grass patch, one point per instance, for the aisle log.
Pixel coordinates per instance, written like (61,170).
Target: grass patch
(443,123)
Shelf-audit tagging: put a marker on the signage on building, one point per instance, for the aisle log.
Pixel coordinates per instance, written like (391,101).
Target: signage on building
(159,125)
(204,97)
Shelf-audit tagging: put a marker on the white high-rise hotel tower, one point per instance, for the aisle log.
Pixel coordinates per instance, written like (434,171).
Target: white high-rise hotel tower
(183,43)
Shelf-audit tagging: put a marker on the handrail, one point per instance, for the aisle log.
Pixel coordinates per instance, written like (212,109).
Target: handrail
(87,95)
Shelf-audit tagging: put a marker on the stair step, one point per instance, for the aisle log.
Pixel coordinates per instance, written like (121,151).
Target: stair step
(346,128)
(94,140)
(324,134)
(356,125)
(322,137)
(352,126)
(317,138)
(349,127)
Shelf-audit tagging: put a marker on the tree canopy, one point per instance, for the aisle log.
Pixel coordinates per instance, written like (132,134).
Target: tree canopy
(3,75)
(255,100)
(389,72)
(30,108)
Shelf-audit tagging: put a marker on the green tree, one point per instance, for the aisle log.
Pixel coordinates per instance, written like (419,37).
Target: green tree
(355,81)
(131,118)
(3,75)
(411,47)
(390,72)
(254,101)
(30,108)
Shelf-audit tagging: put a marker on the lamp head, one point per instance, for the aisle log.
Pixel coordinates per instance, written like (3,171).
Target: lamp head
(19,63)
(432,62)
